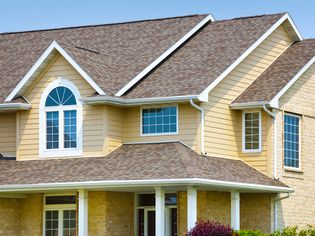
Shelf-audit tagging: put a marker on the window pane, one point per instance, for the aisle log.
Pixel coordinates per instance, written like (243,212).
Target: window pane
(54,200)
(159,120)
(251,132)
(70,129)
(69,222)
(52,130)
(291,141)
(51,223)
(60,96)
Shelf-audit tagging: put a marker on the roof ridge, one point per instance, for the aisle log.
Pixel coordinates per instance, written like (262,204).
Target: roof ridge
(249,17)
(100,25)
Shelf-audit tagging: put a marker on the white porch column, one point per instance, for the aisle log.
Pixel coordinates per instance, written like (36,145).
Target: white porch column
(235,210)
(191,207)
(83,213)
(159,211)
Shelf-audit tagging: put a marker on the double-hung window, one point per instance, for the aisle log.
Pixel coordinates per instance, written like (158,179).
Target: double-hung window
(60,123)
(159,121)
(251,131)
(291,141)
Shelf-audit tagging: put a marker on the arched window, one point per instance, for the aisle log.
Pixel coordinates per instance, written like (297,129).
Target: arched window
(60,114)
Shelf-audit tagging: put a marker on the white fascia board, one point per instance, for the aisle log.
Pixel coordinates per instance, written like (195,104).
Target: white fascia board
(168,52)
(41,59)
(145,183)
(14,106)
(136,101)
(204,95)
(297,31)
(275,101)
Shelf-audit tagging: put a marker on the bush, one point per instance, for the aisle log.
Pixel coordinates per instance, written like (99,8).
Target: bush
(295,231)
(209,228)
(250,233)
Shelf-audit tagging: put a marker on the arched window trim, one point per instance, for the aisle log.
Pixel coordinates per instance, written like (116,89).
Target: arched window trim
(60,152)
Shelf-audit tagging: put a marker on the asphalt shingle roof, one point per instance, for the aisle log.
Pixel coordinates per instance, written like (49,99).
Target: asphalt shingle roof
(114,54)
(276,76)
(133,162)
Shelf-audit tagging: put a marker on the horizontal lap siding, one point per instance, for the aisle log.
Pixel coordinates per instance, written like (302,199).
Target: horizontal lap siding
(93,140)
(115,127)
(223,127)
(8,134)
(188,123)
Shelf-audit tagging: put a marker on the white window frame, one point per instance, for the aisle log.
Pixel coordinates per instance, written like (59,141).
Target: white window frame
(243,133)
(159,134)
(300,143)
(61,151)
(57,207)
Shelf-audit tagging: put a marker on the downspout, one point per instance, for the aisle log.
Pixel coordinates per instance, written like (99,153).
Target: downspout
(202,124)
(276,200)
(275,176)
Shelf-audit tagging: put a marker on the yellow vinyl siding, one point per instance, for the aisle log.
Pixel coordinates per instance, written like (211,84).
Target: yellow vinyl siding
(8,134)
(115,127)
(187,124)
(29,120)
(223,127)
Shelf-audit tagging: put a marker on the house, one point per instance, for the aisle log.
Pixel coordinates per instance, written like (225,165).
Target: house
(142,128)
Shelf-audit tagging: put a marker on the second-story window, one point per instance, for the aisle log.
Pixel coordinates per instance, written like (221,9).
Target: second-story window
(159,121)
(252,131)
(291,141)
(60,120)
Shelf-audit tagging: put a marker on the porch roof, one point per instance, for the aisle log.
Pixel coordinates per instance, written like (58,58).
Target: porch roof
(132,164)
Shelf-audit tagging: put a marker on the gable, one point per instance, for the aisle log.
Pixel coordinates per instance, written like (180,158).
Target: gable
(300,96)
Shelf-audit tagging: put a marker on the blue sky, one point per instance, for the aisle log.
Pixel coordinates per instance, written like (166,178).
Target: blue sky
(18,15)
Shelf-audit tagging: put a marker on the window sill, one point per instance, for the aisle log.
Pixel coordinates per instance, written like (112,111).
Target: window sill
(61,153)
(293,170)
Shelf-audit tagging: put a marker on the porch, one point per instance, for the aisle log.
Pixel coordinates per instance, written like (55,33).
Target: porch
(123,213)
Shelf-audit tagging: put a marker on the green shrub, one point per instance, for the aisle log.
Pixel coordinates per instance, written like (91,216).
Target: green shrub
(250,233)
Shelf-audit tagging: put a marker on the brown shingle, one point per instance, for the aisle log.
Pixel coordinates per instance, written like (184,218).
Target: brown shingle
(204,57)
(133,162)
(123,49)
(266,86)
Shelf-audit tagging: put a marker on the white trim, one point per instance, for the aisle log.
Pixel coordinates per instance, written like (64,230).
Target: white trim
(275,101)
(159,211)
(235,210)
(294,26)
(61,152)
(136,101)
(83,213)
(57,207)
(243,132)
(191,207)
(143,183)
(290,168)
(204,95)
(53,46)
(159,134)
(161,58)
(14,106)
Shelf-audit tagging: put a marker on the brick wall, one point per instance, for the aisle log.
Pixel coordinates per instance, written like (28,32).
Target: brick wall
(32,215)
(256,211)
(9,217)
